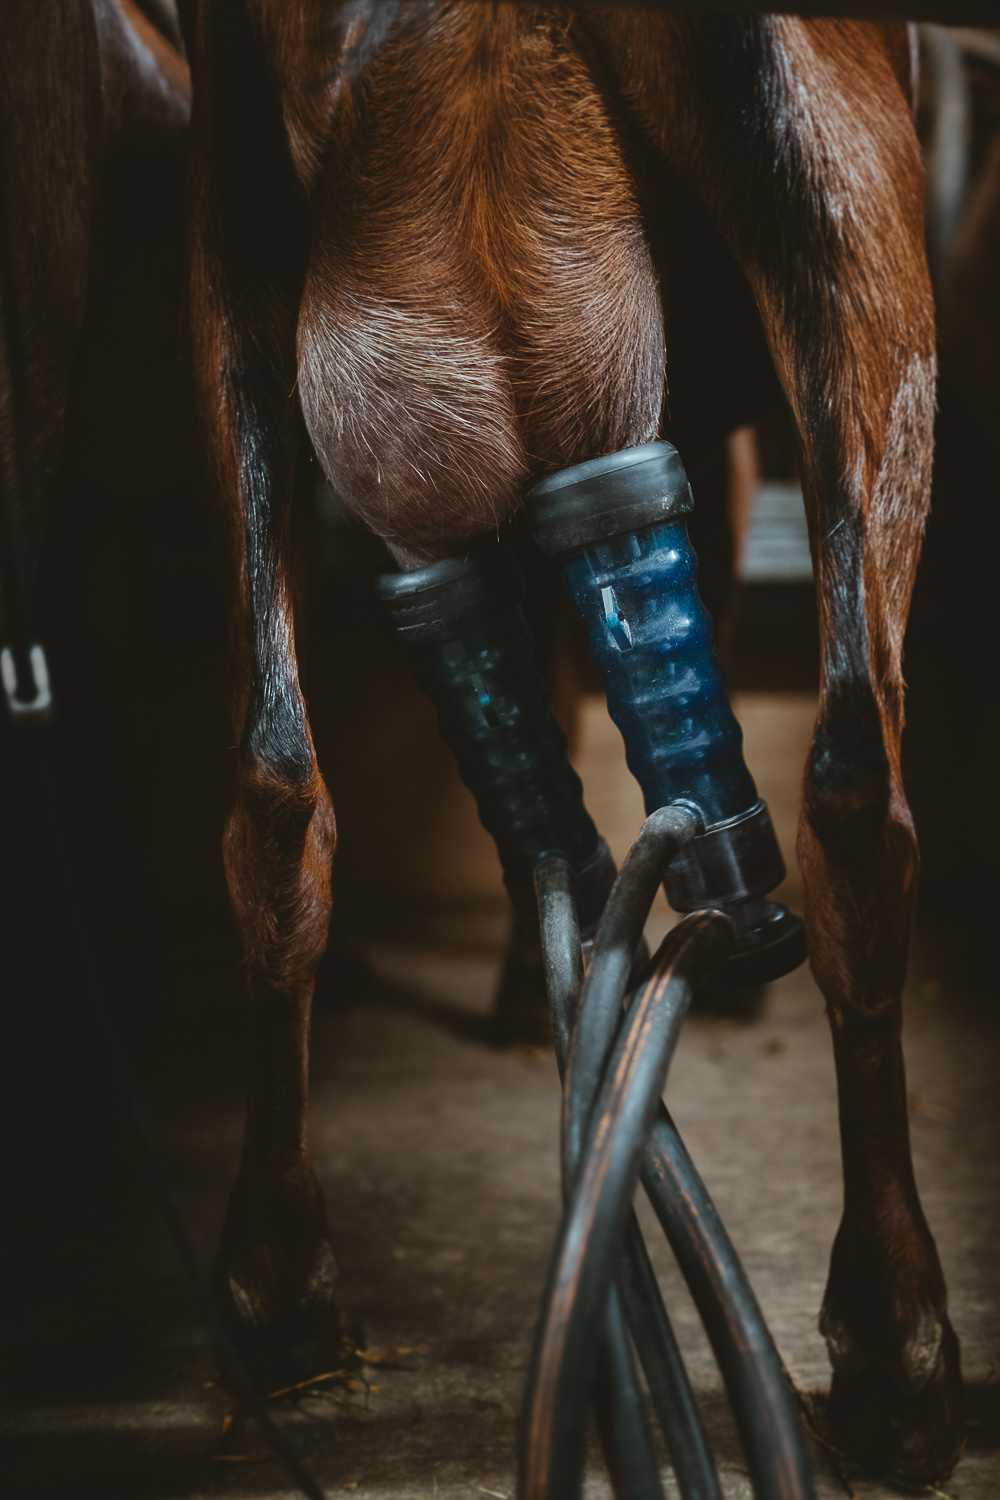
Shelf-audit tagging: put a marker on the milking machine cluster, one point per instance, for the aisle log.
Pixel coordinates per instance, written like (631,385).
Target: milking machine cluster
(617,526)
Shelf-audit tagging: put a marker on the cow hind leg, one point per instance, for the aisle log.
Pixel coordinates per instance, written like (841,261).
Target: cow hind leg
(808,162)
(275,1272)
(853,342)
(896,1396)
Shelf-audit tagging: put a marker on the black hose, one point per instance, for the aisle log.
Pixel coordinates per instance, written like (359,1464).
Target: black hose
(663,1366)
(638,1291)
(562,958)
(625,1437)
(664,833)
(591,1232)
(759,1390)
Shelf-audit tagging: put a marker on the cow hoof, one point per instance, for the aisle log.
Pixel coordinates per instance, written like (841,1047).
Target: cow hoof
(282,1337)
(904,1423)
(274,1277)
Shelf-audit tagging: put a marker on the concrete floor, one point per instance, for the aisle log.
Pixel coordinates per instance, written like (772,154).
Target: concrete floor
(438,1158)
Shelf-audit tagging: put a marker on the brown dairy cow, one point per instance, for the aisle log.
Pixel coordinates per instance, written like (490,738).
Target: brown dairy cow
(442,243)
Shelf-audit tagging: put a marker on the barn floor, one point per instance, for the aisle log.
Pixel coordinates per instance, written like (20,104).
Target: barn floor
(438,1157)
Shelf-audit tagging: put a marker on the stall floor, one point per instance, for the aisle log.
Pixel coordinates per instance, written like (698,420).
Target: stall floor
(438,1156)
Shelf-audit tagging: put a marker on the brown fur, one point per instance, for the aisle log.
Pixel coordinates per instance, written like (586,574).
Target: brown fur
(458,252)
(512,324)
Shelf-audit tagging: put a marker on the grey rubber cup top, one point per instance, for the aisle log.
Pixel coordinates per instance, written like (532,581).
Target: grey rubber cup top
(608,496)
(449,599)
